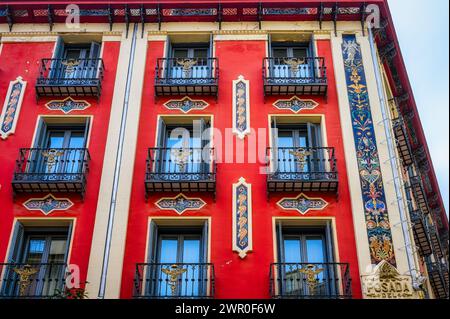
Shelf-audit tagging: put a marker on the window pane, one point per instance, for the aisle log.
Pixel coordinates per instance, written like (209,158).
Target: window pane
(76,140)
(56,140)
(180,53)
(57,251)
(36,248)
(299,52)
(292,251)
(279,53)
(314,250)
(168,253)
(191,251)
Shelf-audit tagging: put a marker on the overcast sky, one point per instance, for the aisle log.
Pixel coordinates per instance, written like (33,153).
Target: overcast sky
(423,31)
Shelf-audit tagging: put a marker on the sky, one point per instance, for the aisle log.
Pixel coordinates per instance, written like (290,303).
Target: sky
(423,31)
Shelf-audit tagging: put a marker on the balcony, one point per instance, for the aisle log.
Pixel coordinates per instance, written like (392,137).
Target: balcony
(302,169)
(173,281)
(51,170)
(299,76)
(421,237)
(438,276)
(196,76)
(419,194)
(33,281)
(402,141)
(180,170)
(435,241)
(310,281)
(60,77)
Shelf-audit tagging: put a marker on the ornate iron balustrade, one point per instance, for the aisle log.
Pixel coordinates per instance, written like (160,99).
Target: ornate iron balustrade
(187,76)
(180,169)
(43,280)
(170,281)
(310,281)
(51,170)
(295,76)
(302,169)
(74,77)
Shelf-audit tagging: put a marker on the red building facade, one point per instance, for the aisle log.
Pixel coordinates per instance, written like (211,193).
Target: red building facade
(169,150)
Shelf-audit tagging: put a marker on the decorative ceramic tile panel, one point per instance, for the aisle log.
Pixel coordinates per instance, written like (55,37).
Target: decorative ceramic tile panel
(242,217)
(11,108)
(372,188)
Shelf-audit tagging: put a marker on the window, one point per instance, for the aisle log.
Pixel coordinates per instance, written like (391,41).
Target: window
(75,61)
(179,249)
(60,148)
(302,252)
(290,139)
(190,61)
(45,250)
(291,60)
(182,146)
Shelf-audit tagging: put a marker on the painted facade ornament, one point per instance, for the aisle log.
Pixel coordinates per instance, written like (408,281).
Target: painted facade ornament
(372,188)
(295,104)
(25,273)
(67,105)
(241,107)
(48,204)
(242,217)
(302,203)
(180,203)
(386,283)
(173,272)
(11,107)
(186,104)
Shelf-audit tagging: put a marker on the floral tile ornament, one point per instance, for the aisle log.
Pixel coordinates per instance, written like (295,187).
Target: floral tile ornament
(295,104)
(67,105)
(302,203)
(371,180)
(242,217)
(180,203)
(186,105)
(11,107)
(48,204)
(241,107)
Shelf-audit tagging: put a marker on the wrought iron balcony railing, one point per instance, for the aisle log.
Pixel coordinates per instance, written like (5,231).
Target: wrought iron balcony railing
(183,76)
(295,76)
(32,280)
(74,77)
(302,169)
(310,281)
(51,170)
(174,281)
(180,169)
